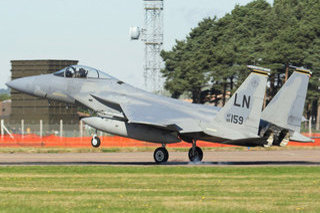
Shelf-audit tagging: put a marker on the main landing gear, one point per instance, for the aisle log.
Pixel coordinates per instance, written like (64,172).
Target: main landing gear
(195,153)
(161,155)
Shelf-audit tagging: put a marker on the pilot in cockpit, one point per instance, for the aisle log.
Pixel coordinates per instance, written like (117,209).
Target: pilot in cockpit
(76,71)
(83,73)
(70,72)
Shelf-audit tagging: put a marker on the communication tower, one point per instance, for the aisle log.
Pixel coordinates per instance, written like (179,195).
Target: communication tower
(152,36)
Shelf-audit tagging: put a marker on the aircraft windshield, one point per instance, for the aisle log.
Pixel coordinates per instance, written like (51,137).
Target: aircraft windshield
(77,71)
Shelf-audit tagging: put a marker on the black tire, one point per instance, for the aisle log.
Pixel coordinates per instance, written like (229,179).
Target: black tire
(160,155)
(95,141)
(197,155)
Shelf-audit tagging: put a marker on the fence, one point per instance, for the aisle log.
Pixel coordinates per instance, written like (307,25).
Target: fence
(107,141)
(62,137)
(44,129)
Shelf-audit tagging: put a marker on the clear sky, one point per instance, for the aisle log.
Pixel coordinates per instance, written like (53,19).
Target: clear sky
(95,32)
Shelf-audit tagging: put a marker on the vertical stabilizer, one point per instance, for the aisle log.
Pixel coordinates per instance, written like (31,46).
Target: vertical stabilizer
(286,108)
(241,114)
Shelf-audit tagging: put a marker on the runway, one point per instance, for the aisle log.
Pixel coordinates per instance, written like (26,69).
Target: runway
(211,158)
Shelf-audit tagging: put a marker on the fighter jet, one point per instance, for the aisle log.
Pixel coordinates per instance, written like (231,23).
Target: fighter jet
(124,110)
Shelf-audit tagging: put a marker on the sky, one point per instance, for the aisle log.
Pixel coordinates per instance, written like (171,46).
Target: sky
(95,32)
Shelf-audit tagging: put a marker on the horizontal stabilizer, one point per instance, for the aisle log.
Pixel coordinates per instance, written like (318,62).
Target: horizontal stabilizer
(297,137)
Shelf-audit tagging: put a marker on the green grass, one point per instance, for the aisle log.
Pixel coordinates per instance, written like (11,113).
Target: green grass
(159,189)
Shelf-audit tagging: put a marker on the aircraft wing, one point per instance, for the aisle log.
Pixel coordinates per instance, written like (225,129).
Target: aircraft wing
(142,111)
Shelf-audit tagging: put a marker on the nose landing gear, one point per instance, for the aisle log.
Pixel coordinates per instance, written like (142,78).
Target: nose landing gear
(95,141)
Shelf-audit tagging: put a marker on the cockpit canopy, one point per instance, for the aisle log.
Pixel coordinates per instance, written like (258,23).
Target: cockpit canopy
(79,71)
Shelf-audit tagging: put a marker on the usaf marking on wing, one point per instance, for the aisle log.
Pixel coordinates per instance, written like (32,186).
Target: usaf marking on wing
(124,110)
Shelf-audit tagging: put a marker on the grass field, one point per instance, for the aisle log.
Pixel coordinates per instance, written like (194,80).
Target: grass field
(159,189)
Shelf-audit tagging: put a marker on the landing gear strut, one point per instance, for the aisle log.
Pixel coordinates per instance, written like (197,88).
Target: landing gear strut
(95,141)
(161,155)
(195,153)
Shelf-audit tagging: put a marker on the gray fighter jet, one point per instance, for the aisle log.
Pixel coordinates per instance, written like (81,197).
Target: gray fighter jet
(124,110)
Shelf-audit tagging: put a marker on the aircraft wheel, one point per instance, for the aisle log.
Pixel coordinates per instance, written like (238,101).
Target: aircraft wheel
(95,141)
(196,154)
(161,155)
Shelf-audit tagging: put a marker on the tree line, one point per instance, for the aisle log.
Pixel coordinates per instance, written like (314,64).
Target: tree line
(211,60)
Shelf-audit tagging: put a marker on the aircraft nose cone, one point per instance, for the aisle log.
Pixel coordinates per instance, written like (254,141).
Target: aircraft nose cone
(16,84)
(24,85)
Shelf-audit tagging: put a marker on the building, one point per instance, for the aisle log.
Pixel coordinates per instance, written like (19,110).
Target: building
(33,109)
(5,109)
